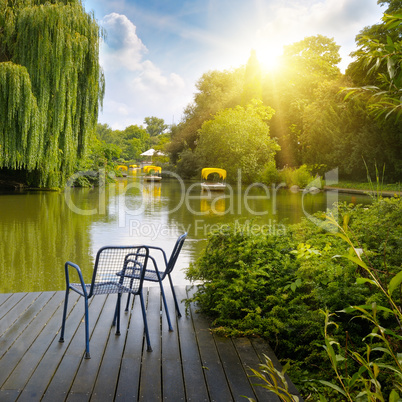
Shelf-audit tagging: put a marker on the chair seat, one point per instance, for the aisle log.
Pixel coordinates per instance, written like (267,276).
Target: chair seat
(150,274)
(102,288)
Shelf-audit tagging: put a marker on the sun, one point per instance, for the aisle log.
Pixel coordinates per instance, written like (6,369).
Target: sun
(269,56)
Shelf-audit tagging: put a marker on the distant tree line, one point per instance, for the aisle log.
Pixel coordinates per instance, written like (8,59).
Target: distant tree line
(306,113)
(128,144)
(320,117)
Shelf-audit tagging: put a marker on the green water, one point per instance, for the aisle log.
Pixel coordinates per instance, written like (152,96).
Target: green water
(40,231)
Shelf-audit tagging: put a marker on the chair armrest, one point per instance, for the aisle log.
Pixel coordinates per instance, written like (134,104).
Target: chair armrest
(155,265)
(162,251)
(69,264)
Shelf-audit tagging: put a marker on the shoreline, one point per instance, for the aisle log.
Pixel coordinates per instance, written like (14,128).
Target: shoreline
(363,192)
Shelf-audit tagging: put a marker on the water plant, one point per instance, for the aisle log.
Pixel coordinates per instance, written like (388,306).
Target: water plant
(382,357)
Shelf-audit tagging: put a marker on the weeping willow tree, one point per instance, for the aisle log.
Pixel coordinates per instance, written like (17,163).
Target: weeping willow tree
(51,86)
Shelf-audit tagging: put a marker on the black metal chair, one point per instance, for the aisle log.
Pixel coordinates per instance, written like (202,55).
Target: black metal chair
(154,274)
(109,276)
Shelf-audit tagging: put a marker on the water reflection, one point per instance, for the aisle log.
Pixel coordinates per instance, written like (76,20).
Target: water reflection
(42,230)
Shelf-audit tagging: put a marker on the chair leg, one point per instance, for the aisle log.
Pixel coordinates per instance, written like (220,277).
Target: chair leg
(166,307)
(87,354)
(117,314)
(128,302)
(63,322)
(144,317)
(174,296)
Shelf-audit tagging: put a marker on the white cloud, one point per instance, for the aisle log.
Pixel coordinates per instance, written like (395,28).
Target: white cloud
(135,87)
(152,79)
(338,19)
(122,47)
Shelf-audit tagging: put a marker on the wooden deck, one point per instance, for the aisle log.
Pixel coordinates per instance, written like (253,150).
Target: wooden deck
(188,364)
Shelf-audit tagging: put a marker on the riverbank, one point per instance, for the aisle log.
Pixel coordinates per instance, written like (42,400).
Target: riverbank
(385,193)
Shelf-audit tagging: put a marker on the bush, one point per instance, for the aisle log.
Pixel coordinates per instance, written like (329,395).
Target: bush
(275,286)
(269,174)
(188,165)
(300,177)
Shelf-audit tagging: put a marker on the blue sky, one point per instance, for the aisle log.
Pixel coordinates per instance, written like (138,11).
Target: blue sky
(156,50)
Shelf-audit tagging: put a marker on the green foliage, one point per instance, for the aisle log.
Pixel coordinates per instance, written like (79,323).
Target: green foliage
(274,286)
(252,80)
(274,380)
(238,139)
(269,174)
(381,363)
(300,177)
(392,187)
(312,124)
(341,134)
(19,116)
(58,44)
(188,166)
(131,141)
(314,56)
(155,126)
(379,57)
(216,90)
(305,66)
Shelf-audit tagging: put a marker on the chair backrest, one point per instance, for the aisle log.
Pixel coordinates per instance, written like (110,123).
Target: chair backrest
(175,253)
(119,269)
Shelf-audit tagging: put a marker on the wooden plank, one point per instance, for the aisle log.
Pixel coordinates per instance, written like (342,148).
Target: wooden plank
(87,372)
(236,376)
(13,308)
(213,369)
(8,395)
(45,370)
(35,352)
(30,328)
(172,374)
(106,382)
(187,364)
(74,349)
(130,371)
(151,378)
(193,375)
(250,358)
(4,297)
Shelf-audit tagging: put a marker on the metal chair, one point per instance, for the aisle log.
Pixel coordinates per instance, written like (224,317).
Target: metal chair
(157,275)
(109,276)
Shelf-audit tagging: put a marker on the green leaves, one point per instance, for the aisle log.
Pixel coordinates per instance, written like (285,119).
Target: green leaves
(58,45)
(238,138)
(395,282)
(19,131)
(255,284)
(382,59)
(274,380)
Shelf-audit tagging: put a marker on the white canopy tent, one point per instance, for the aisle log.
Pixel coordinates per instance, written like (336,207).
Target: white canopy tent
(150,152)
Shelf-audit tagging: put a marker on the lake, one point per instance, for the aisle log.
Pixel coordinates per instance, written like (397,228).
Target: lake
(41,230)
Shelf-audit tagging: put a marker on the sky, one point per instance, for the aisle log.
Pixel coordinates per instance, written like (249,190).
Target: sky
(155,51)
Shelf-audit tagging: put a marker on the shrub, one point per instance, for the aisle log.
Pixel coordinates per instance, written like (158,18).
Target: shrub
(275,286)
(300,177)
(270,174)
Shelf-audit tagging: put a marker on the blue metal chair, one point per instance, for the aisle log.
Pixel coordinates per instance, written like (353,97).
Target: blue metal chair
(154,274)
(109,276)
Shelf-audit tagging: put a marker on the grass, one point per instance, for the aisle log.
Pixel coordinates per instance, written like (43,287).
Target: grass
(367,186)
